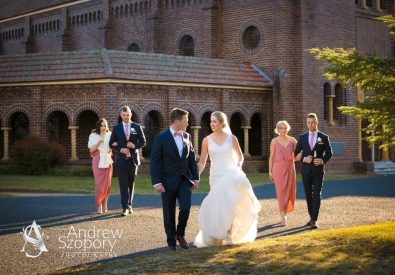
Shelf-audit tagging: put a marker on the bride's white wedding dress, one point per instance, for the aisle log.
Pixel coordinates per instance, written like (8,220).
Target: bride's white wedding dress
(231,202)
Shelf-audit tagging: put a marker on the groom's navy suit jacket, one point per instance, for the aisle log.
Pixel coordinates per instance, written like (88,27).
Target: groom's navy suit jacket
(136,137)
(322,148)
(166,165)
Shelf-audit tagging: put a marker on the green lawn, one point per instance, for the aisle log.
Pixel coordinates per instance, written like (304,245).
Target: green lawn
(84,184)
(367,249)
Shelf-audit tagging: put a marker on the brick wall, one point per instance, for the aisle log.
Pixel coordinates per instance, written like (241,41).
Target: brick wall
(287,29)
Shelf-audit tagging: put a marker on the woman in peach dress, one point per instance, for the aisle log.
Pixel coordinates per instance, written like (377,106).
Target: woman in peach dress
(100,151)
(282,169)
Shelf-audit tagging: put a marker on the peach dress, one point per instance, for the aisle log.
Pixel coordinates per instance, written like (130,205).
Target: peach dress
(284,175)
(102,176)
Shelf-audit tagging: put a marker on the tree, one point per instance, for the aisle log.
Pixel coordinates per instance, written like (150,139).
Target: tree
(366,72)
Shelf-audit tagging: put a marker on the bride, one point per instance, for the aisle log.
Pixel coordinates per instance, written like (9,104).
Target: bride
(229,212)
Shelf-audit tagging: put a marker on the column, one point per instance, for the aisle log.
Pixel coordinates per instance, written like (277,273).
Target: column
(377,5)
(362,4)
(6,131)
(360,140)
(246,141)
(195,130)
(73,130)
(330,110)
(385,151)
(385,154)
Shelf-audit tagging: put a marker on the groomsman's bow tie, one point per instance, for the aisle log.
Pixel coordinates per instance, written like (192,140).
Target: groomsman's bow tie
(177,134)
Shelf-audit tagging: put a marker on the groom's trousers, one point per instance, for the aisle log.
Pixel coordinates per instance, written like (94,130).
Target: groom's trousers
(312,184)
(169,199)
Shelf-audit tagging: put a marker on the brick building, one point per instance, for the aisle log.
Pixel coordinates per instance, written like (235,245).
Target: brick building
(64,64)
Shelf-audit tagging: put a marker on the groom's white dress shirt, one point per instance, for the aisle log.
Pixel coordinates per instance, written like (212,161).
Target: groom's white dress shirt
(178,140)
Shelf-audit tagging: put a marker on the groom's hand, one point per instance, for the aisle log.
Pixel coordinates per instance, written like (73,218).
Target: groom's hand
(195,186)
(159,188)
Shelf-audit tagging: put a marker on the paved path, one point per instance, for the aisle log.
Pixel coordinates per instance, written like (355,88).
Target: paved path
(63,217)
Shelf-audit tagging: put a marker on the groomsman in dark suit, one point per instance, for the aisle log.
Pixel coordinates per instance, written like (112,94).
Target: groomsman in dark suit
(316,151)
(174,173)
(129,138)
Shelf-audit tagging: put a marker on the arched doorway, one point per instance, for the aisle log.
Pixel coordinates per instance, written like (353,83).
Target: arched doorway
(191,122)
(152,127)
(58,131)
(205,129)
(86,123)
(19,126)
(256,135)
(235,126)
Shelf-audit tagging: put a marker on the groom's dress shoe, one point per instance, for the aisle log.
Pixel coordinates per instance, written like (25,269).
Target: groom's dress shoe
(183,243)
(125,212)
(308,223)
(314,225)
(173,248)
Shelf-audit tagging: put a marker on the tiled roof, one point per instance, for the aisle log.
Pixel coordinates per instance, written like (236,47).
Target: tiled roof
(9,8)
(99,64)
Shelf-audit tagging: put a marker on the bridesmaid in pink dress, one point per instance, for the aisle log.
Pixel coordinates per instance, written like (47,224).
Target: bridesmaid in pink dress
(282,169)
(100,151)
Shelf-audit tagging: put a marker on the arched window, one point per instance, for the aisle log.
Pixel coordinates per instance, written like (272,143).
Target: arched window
(134,47)
(338,101)
(327,93)
(369,3)
(187,46)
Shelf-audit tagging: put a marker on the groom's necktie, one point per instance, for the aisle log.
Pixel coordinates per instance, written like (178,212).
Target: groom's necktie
(311,140)
(126,129)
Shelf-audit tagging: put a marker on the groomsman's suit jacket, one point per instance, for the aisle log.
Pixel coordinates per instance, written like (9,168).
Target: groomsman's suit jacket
(167,167)
(136,137)
(322,149)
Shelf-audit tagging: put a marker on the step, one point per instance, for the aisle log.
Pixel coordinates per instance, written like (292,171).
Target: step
(384,167)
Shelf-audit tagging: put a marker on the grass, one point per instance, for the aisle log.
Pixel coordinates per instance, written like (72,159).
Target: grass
(80,180)
(367,249)
(72,184)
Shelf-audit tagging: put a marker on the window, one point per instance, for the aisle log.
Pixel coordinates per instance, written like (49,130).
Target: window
(134,47)
(251,37)
(369,3)
(186,46)
(327,93)
(339,100)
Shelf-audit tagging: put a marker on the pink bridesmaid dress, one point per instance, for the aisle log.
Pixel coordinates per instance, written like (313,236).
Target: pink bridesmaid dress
(284,176)
(102,178)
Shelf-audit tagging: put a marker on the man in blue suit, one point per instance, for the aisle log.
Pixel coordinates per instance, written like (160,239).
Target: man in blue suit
(174,173)
(316,151)
(129,138)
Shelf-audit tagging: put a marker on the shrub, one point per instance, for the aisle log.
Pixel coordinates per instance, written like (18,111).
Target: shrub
(33,156)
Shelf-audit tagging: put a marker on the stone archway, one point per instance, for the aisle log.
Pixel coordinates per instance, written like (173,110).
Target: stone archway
(86,122)
(57,126)
(152,122)
(205,129)
(236,123)
(20,123)
(255,144)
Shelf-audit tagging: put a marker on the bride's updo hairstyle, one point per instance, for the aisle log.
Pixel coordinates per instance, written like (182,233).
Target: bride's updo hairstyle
(221,118)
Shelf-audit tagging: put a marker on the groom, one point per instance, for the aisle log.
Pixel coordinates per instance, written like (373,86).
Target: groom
(317,151)
(174,173)
(128,137)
